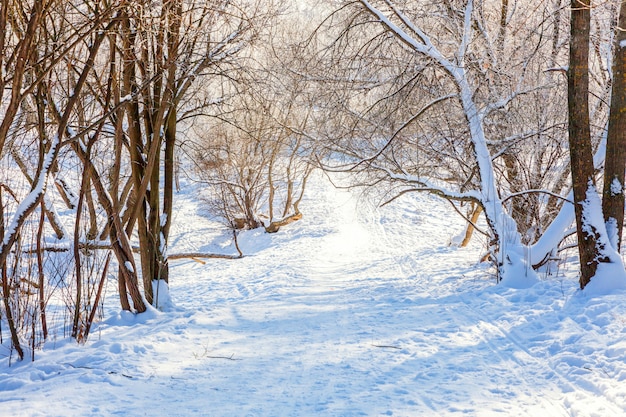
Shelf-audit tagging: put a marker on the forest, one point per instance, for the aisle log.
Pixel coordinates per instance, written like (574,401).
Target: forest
(117,116)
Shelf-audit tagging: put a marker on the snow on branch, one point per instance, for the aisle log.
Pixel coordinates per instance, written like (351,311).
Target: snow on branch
(423,46)
(504,101)
(467,31)
(420,34)
(513,139)
(422,185)
(28,204)
(217,54)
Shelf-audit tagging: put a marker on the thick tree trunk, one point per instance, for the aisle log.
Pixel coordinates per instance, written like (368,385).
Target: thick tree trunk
(581,155)
(151,245)
(615,161)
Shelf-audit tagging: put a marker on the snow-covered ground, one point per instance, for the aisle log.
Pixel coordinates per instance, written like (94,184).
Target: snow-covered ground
(353,311)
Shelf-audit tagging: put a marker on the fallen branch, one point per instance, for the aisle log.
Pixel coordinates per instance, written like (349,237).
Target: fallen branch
(277,224)
(196,256)
(98,369)
(106,246)
(230,358)
(81,246)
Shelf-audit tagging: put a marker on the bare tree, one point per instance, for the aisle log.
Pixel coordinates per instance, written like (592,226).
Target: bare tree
(32,62)
(256,156)
(167,47)
(580,137)
(449,98)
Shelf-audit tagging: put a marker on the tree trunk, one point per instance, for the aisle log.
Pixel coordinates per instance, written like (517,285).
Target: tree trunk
(504,11)
(168,188)
(581,157)
(120,243)
(477,209)
(6,293)
(615,161)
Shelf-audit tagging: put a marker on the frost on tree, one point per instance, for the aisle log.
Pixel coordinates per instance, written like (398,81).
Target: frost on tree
(456,106)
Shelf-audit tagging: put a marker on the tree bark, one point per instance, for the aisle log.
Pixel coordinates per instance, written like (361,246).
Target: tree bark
(150,127)
(615,161)
(168,189)
(6,293)
(477,209)
(581,157)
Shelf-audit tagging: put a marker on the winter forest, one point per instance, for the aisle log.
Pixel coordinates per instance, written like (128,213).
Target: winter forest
(298,207)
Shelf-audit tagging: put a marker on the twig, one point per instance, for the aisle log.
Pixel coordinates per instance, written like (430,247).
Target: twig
(230,358)
(387,347)
(108,372)
(124,375)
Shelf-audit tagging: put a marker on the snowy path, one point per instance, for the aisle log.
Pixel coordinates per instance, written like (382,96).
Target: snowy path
(351,312)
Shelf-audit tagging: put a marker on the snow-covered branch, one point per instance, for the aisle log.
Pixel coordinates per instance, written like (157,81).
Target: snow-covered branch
(423,37)
(505,101)
(467,32)
(423,185)
(423,46)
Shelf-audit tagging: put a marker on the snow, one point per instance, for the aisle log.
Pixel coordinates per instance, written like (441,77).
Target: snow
(616,187)
(162,296)
(554,233)
(612,231)
(519,274)
(353,310)
(609,276)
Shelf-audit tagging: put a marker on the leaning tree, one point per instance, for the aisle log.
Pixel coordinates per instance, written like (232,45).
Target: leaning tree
(452,98)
